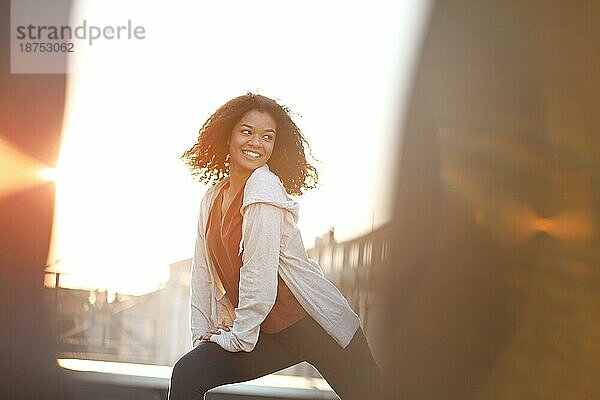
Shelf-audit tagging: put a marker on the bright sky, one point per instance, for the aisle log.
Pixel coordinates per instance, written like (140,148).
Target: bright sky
(127,206)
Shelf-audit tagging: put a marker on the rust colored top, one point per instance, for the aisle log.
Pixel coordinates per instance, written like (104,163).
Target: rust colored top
(223,235)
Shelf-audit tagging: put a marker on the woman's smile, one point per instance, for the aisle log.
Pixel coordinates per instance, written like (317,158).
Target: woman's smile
(251,154)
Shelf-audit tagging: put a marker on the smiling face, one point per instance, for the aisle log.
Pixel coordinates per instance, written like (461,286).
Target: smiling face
(251,142)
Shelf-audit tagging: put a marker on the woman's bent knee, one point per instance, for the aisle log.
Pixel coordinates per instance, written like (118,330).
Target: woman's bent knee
(191,377)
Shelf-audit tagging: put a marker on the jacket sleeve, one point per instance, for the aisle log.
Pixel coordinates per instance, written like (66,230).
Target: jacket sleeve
(200,288)
(258,276)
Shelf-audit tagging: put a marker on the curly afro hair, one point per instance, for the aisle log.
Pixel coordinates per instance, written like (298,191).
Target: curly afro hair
(208,157)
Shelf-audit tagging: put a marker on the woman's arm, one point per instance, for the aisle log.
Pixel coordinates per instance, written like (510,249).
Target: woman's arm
(200,288)
(258,276)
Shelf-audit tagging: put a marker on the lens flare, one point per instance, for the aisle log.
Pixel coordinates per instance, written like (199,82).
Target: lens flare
(18,171)
(49,174)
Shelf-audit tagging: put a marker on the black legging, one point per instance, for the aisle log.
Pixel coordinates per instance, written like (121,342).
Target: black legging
(350,371)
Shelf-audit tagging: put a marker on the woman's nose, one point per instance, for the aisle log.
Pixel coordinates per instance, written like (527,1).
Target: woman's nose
(254,140)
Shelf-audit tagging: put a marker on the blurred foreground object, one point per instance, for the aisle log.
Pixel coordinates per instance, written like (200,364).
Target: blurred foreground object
(494,281)
(31,114)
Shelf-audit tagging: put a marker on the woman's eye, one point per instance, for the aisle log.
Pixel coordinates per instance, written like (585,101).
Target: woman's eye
(245,132)
(268,137)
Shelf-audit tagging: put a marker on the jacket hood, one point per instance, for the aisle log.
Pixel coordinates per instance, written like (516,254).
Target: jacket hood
(263,186)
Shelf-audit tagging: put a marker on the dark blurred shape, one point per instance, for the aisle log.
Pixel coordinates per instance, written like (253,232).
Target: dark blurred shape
(494,281)
(31,113)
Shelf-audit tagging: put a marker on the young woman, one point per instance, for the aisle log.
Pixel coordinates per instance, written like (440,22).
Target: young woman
(258,303)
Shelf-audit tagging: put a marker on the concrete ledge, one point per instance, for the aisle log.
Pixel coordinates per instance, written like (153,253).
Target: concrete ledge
(156,378)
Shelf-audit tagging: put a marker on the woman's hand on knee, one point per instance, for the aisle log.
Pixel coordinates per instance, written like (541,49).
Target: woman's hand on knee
(214,331)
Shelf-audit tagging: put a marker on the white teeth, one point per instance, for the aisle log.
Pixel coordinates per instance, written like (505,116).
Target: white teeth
(251,153)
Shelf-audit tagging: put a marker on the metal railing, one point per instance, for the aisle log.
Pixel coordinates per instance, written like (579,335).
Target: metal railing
(89,325)
(354,266)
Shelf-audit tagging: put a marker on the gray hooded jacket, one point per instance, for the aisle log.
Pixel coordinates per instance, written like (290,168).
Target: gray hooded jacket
(271,244)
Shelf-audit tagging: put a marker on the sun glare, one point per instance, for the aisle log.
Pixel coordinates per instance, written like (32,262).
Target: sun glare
(18,171)
(49,174)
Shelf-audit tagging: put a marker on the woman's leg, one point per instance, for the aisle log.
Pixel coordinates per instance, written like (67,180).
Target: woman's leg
(208,366)
(351,371)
